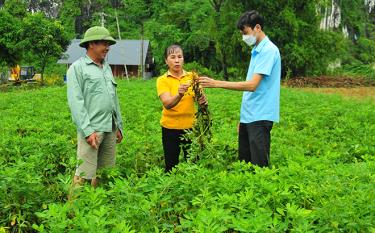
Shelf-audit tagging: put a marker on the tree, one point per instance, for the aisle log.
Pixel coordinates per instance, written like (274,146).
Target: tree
(207,30)
(138,11)
(294,27)
(184,23)
(10,48)
(222,27)
(44,39)
(68,13)
(17,8)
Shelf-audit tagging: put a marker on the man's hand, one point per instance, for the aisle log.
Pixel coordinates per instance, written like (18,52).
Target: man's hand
(182,89)
(207,82)
(93,140)
(249,85)
(118,136)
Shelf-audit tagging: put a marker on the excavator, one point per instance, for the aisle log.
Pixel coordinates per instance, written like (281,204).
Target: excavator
(19,74)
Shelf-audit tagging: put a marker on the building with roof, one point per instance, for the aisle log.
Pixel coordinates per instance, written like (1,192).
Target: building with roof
(124,52)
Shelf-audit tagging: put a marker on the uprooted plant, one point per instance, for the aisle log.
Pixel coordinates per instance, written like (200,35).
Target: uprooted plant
(201,132)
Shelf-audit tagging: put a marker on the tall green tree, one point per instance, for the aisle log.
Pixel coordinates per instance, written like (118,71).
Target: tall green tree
(222,28)
(68,14)
(207,30)
(17,8)
(10,37)
(184,23)
(44,39)
(294,27)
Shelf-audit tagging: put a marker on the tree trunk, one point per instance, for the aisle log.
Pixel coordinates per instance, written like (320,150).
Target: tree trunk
(42,73)
(224,65)
(217,4)
(142,58)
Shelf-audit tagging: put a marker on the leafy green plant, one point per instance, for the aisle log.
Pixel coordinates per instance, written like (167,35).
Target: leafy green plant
(321,178)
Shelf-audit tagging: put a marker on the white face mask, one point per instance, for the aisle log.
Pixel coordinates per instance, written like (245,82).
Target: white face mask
(250,40)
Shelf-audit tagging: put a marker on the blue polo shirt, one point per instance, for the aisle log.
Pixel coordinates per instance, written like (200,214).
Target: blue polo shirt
(264,102)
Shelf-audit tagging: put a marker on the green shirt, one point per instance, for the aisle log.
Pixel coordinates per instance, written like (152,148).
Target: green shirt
(92,97)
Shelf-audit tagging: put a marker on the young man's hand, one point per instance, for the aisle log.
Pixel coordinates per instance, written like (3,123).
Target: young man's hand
(207,82)
(93,140)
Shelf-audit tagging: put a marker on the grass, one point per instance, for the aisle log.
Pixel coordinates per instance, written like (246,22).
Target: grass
(321,179)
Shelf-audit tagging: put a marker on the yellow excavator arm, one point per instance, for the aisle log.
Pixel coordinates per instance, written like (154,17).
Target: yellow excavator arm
(15,73)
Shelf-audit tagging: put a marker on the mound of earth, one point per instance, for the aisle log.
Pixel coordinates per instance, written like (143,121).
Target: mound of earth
(329,81)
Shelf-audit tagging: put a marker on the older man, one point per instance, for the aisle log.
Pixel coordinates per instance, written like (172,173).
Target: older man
(94,105)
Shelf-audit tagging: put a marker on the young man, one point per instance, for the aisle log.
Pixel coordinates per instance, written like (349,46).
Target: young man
(94,105)
(261,98)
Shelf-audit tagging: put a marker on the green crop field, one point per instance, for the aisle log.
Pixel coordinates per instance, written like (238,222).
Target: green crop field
(321,179)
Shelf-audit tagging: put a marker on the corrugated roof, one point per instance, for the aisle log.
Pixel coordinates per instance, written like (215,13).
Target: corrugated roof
(123,52)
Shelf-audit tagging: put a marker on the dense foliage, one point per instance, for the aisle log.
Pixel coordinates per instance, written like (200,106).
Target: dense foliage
(207,30)
(9,40)
(321,178)
(30,38)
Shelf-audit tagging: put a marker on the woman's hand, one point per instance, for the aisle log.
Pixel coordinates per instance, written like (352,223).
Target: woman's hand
(182,89)
(203,100)
(170,101)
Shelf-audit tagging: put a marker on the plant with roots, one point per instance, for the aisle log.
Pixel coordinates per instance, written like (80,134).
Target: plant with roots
(201,132)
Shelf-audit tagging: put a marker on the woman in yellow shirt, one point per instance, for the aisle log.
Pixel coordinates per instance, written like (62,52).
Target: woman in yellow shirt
(178,113)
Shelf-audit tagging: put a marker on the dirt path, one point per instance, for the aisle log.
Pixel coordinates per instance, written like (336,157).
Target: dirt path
(348,87)
(353,92)
(327,81)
